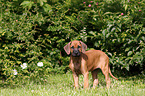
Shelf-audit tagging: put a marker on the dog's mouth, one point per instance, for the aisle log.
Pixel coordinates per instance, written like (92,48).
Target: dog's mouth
(76,53)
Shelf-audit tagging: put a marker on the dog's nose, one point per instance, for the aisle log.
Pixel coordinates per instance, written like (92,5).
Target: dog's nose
(75,51)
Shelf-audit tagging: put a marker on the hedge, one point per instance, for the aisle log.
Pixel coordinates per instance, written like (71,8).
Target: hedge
(33,33)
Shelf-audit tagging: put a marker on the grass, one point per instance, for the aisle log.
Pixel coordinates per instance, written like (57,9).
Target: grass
(62,85)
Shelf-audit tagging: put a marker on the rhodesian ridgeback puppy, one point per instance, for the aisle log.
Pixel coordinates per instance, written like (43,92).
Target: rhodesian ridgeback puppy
(81,62)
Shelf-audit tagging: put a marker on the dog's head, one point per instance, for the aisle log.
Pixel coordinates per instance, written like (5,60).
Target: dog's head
(75,48)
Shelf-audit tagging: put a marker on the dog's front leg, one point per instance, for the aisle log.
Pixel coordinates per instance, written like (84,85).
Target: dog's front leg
(86,79)
(76,80)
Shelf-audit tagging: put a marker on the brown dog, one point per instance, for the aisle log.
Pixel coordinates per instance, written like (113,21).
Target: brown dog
(82,62)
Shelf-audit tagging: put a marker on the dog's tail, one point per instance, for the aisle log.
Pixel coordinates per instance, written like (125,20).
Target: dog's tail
(112,75)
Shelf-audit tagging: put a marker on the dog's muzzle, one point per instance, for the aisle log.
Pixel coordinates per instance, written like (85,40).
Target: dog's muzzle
(76,53)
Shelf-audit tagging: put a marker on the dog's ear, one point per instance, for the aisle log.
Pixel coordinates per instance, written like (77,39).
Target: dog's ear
(84,46)
(67,48)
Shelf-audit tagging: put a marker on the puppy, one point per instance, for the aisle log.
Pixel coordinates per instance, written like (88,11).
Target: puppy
(81,62)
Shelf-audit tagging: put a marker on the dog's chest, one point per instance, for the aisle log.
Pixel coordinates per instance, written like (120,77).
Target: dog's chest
(76,66)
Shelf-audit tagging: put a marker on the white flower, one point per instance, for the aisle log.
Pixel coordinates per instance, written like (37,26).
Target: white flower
(40,64)
(24,65)
(32,91)
(15,72)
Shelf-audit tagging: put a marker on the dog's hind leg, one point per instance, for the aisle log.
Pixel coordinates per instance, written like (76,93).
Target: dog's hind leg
(105,71)
(95,78)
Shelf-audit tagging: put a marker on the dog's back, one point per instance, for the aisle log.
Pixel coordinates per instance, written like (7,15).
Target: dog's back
(95,58)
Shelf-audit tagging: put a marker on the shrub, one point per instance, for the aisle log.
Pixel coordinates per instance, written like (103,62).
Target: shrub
(34,32)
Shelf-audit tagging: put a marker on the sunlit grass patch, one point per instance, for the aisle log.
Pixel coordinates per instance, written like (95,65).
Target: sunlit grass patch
(62,85)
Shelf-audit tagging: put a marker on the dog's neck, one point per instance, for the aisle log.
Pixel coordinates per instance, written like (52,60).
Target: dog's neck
(76,61)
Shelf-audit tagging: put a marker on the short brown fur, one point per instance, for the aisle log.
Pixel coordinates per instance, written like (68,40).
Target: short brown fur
(88,61)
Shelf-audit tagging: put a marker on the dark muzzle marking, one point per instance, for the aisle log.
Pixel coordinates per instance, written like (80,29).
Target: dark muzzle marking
(76,53)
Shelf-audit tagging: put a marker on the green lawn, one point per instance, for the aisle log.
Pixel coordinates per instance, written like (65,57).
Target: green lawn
(62,85)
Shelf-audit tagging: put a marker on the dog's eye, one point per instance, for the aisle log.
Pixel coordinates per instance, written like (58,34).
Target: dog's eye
(72,47)
(79,46)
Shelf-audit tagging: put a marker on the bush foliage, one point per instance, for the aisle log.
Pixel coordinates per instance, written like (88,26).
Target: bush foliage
(33,32)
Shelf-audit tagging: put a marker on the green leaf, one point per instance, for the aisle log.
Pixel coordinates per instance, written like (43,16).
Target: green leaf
(126,6)
(108,35)
(119,29)
(18,62)
(93,33)
(108,13)
(113,29)
(27,4)
(129,53)
(104,32)
(47,8)
(41,2)
(110,54)
(96,44)
(127,49)
(126,66)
